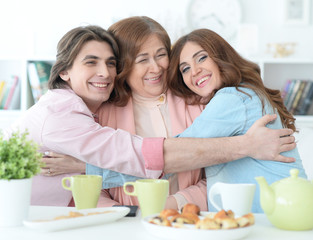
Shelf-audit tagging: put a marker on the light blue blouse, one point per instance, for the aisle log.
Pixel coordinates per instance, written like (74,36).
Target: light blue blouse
(231,113)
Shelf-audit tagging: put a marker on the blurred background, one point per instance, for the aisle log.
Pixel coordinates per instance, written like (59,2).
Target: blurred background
(33,27)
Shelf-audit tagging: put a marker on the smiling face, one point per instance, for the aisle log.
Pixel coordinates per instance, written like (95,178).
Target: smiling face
(149,71)
(93,72)
(200,73)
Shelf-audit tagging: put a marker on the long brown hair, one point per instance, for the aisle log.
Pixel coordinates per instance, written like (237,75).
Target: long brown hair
(130,34)
(70,45)
(234,70)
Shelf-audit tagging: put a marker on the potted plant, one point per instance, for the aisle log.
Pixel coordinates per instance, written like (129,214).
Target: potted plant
(19,162)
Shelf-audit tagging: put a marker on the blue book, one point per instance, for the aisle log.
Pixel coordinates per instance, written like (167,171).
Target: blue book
(307,102)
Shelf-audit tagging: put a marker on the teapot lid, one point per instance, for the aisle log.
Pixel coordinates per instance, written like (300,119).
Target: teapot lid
(294,179)
(294,173)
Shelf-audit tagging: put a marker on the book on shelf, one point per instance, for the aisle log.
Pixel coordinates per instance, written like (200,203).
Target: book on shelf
(16,98)
(11,91)
(2,90)
(307,101)
(8,92)
(292,93)
(289,86)
(300,106)
(298,97)
(310,110)
(285,90)
(38,75)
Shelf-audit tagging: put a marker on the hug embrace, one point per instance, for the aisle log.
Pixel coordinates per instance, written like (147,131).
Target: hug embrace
(129,106)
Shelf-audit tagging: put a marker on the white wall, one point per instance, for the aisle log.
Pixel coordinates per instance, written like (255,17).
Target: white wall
(33,27)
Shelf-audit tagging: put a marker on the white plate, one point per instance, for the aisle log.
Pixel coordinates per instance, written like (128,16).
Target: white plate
(192,233)
(56,225)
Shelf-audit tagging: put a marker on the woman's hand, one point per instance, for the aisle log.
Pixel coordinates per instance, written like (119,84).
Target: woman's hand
(56,164)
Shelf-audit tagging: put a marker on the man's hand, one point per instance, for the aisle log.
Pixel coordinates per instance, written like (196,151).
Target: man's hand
(266,143)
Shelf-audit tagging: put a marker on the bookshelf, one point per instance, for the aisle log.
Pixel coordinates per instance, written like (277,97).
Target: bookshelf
(275,72)
(17,66)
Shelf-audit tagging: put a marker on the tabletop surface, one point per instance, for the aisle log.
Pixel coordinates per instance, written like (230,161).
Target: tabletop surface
(132,228)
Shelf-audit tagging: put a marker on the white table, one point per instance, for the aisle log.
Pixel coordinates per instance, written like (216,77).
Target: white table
(131,228)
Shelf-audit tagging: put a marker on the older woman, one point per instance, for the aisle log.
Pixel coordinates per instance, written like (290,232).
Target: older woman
(143,107)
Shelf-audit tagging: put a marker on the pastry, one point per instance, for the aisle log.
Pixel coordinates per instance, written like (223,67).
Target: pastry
(220,220)
(191,208)
(226,219)
(207,223)
(210,215)
(160,221)
(227,223)
(242,221)
(246,220)
(188,218)
(78,214)
(168,213)
(223,214)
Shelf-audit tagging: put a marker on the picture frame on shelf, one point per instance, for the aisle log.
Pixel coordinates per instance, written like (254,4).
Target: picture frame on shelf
(296,12)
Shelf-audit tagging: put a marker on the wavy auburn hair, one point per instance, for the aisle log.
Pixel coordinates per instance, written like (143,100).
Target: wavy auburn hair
(234,70)
(131,33)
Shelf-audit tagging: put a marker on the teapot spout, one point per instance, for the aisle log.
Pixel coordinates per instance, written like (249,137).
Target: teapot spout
(267,196)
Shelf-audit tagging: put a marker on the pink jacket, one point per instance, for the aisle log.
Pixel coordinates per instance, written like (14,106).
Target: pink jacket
(61,122)
(192,184)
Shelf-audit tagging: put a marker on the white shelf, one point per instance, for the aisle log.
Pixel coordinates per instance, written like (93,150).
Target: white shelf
(10,66)
(284,60)
(276,71)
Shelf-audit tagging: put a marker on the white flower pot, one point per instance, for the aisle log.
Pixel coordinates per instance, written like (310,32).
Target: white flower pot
(14,201)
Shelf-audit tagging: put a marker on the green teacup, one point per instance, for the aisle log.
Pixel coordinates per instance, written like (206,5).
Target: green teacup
(151,194)
(85,189)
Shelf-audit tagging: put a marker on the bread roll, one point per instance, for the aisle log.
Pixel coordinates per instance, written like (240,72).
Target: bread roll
(191,208)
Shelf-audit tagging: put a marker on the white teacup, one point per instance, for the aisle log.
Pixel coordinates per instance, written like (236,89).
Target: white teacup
(237,197)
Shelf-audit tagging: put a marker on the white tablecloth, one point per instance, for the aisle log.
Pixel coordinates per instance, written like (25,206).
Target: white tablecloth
(132,228)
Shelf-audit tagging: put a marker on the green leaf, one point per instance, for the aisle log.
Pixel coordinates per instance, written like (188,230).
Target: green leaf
(19,156)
